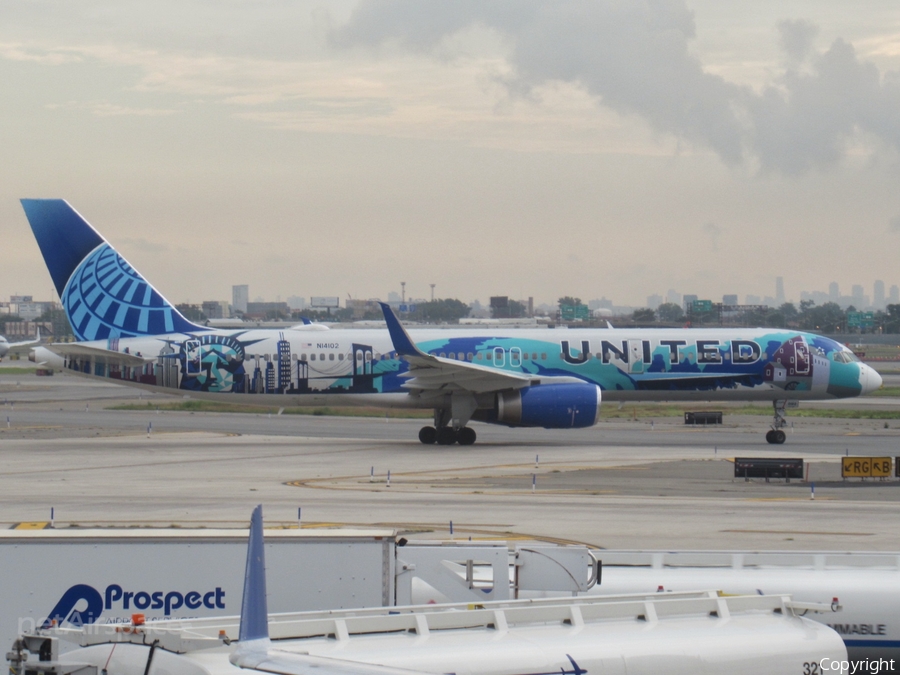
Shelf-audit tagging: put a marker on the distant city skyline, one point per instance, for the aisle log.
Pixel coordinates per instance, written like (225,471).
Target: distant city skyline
(858,297)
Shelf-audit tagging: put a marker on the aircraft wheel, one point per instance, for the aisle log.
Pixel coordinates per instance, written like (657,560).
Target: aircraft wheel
(446,436)
(778,436)
(428,435)
(466,436)
(770,436)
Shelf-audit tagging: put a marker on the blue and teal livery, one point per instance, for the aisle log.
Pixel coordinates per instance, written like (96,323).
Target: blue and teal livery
(128,332)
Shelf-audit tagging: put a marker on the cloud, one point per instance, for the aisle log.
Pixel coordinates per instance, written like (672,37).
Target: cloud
(634,57)
(894,224)
(811,119)
(797,38)
(144,245)
(15,51)
(106,109)
(713,231)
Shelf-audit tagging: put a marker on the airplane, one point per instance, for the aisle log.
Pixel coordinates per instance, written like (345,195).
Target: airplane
(129,333)
(6,346)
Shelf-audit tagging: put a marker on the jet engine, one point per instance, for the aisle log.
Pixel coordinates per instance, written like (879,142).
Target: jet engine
(552,406)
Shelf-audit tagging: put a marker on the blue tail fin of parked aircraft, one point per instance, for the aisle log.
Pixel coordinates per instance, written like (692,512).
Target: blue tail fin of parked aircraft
(254,610)
(104,297)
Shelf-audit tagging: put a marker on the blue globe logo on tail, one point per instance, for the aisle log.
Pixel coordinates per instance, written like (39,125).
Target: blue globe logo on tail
(106,297)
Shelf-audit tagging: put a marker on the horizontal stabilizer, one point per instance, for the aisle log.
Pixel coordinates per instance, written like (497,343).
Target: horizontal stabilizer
(96,355)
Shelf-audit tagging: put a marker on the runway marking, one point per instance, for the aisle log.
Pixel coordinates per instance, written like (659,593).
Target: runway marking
(786,499)
(468,488)
(545,470)
(829,534)
(31,526)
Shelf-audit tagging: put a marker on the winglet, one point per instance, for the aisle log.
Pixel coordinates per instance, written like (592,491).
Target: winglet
(254,610)
(403,344)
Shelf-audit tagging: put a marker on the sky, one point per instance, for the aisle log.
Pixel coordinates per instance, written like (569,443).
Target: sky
(615,148)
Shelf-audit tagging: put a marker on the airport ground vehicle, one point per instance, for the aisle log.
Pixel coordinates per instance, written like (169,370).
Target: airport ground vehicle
(693,632)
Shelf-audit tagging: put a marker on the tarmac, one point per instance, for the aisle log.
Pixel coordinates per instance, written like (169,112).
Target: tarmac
(645,483)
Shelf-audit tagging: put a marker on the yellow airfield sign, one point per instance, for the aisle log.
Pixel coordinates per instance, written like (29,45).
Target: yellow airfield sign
(866,467)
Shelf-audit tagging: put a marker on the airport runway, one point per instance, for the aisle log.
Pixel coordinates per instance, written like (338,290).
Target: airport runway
(622,484)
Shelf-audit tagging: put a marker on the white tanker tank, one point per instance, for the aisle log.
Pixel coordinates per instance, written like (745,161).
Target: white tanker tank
(867,586)
(676,634)
(688,633)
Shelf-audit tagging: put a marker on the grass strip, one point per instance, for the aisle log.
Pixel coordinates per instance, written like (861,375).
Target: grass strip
(608,411)
(240,408)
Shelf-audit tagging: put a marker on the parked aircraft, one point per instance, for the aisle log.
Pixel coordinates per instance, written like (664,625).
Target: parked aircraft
(6,346)
(129,333)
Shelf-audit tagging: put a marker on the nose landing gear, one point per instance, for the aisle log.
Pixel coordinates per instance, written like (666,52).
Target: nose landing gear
(776,435)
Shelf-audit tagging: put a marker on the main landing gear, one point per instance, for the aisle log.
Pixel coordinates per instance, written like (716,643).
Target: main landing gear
(450,422)
(776,435)
(447,435)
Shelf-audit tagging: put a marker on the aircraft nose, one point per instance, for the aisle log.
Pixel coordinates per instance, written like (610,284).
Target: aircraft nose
(869,378)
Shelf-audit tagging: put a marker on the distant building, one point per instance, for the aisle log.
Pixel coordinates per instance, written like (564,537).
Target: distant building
(878,295)
(297,303)
(263,310)
(27,330)
(29,311)
(752,300)
(858,296)
(894,295)
(216,309)
(834,291)
(730,299)
(674,297)
(601,303)
(654,301)
(688,300)
(779,290)
(360,308)
(240,296)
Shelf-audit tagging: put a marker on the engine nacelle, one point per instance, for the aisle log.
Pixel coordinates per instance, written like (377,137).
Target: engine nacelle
(552,406)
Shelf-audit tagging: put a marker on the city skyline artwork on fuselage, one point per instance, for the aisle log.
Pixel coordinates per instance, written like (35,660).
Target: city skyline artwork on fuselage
(624,363)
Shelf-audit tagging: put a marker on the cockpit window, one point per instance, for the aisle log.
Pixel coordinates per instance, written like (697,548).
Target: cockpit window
(845,357)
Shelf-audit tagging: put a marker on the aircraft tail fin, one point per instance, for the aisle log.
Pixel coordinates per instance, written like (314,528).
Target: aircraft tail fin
(254,608)
(103,296)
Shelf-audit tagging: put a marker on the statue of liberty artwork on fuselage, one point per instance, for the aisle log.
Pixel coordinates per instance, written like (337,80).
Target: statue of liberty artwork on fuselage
(128,332)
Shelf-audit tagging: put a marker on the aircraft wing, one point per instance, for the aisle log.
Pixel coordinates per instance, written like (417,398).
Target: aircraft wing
(427,372)
(18,346)
(80,350)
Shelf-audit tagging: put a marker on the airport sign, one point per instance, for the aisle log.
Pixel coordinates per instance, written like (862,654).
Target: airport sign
(865,467)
